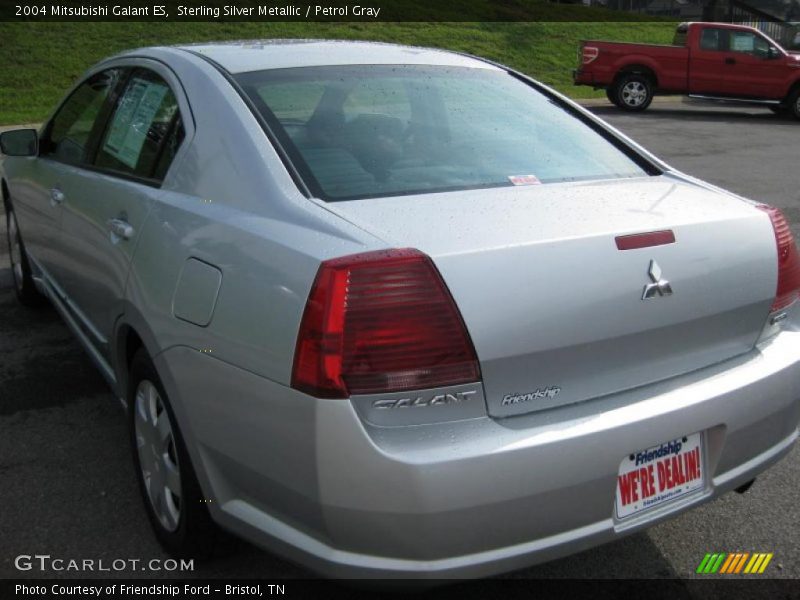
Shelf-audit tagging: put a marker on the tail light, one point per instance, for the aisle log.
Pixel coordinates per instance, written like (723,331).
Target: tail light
(381,322)
(589,53)
(788,260)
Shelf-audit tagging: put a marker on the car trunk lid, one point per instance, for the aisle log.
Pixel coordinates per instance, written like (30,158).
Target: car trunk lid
(557,312)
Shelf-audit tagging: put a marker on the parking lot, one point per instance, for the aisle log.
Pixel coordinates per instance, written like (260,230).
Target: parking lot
(67,486)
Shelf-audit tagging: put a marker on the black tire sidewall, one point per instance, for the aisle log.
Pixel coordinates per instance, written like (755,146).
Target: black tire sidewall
(612,95)
(627,78)
(27,293)
(794,104)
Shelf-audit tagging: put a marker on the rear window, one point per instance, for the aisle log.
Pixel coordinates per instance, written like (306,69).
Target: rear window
(369,131)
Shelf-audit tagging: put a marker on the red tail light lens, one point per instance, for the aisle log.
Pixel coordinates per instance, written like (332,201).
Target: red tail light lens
(788,260)
(589,53)
(381,322)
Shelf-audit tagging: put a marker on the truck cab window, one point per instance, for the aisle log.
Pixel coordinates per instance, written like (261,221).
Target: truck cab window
(750,43)
(712,39)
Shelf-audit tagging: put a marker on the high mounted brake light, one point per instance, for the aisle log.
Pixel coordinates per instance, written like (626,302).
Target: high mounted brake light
(788,287)
(381,322)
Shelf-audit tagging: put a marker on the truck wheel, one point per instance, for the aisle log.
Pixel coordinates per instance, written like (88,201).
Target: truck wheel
(634,92)
(794,103)
(611,94)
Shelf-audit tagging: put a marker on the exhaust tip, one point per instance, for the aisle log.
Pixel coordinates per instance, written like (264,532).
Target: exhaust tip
(745,486)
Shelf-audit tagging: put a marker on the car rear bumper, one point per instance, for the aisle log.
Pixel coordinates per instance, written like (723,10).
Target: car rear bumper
(581,77)
(309,479)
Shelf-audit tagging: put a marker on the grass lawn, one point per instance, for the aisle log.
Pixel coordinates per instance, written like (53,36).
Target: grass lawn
(41,60)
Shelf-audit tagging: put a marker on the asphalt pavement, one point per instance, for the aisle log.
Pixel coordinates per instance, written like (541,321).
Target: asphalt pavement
(67,486)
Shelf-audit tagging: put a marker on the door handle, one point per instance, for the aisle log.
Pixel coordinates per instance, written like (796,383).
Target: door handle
(120,228)
(730,61)
(57,196)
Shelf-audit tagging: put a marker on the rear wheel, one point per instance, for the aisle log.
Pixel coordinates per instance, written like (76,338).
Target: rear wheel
(633,92)
(24,286)
(611,94)
(173,500)
(794,103)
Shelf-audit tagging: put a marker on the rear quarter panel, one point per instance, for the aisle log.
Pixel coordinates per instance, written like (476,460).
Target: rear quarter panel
(230,203)
(669,63)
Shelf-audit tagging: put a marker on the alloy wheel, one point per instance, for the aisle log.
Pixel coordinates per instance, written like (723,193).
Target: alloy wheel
(634,93)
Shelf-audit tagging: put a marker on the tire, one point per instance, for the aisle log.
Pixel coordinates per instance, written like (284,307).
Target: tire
(174,502)
(633,92)
(794,103)
(611,94)
(25,288)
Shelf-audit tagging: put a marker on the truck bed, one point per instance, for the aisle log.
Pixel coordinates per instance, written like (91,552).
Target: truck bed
(669,61)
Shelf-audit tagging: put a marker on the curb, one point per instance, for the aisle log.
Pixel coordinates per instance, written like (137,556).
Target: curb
(657,101)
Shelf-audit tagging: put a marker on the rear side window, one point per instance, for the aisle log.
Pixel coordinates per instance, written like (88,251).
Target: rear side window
(713,39)
(382,130)
(70,131)
(144,131)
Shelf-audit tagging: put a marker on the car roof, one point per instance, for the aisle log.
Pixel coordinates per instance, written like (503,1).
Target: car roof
(257,55)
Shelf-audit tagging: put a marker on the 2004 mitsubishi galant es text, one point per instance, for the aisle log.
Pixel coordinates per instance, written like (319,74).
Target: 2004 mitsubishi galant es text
(391,311)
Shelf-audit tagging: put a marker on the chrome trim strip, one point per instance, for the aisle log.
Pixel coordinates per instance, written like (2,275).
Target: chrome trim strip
(739,100)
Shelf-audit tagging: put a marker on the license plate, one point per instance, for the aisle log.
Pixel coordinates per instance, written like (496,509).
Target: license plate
(655,476)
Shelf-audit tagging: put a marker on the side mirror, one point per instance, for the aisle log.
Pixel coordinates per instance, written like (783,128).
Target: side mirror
(773,53)
(19,142)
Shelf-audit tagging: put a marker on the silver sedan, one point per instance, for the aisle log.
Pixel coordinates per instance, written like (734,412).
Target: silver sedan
(398,312)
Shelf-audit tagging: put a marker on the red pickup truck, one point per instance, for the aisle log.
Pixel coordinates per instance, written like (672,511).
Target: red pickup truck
(717,61)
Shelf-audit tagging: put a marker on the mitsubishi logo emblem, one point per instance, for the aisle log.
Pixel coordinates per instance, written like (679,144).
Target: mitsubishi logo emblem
(659,286)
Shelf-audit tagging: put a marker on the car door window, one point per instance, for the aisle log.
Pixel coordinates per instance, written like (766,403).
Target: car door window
(144,131)
(749,43)
(169,149)
(69,133)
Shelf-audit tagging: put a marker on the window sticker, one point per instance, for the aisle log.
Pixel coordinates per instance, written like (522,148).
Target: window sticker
(743,43)
(132,120)
(524,179)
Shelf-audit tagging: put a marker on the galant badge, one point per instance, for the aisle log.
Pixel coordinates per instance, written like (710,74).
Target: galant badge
(659,286)
(423,401)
